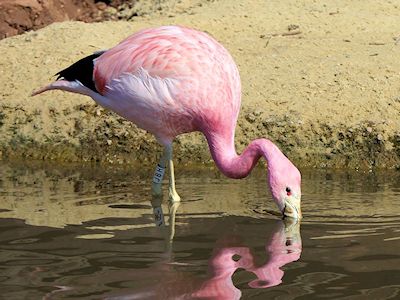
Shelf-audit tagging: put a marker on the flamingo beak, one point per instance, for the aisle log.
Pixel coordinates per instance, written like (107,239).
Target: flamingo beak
(292,208)
(71,86)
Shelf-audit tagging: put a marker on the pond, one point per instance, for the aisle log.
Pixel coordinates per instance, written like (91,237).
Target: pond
(88,233)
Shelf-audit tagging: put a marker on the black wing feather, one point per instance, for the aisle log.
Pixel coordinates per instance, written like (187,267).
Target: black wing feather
(82,70)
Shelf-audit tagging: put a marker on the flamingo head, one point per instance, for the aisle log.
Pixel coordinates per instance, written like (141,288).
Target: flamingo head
(285,184)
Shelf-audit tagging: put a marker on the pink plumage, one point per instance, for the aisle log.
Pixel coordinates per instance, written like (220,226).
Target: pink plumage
(181,77)
(172,80)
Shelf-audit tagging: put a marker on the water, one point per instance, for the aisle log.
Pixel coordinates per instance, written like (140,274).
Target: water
(88,233)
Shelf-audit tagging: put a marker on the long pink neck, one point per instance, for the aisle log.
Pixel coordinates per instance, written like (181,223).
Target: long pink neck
(231,164)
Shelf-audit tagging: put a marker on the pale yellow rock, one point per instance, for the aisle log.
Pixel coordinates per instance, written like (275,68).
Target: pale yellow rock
(311,70)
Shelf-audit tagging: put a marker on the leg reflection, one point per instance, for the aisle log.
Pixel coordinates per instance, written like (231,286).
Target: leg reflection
(173,207)
(170,278)
(167,230)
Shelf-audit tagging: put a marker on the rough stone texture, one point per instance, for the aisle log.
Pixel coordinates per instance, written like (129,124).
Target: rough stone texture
(18,16)
(320,79)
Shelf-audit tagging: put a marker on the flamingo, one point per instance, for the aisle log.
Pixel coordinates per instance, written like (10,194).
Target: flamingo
(172,80)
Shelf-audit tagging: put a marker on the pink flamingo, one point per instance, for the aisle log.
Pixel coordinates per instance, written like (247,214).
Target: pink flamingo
(172,80)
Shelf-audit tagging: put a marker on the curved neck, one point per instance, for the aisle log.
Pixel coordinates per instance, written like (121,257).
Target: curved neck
(231,164)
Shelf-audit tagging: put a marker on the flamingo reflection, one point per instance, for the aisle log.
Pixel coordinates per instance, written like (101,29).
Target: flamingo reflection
(170,279)
(282,247)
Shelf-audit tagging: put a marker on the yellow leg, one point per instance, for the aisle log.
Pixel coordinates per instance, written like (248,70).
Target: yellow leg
(172,195)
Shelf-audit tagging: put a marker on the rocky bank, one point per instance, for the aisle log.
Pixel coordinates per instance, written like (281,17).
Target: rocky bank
(320,78)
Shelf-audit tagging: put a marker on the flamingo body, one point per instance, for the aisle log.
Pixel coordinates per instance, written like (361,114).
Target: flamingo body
(172,80)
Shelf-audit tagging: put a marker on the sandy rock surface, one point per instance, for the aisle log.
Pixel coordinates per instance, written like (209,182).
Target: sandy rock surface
(320,78)
(18,16)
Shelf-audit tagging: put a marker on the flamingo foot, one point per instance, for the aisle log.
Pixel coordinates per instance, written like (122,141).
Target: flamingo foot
(173,196)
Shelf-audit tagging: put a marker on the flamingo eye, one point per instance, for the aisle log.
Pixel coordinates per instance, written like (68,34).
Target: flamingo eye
(288,191)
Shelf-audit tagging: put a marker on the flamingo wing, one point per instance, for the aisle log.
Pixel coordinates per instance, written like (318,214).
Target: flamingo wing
(175,73)
(161,52)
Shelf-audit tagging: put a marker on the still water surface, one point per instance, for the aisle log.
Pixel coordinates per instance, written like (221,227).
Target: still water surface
(88,233)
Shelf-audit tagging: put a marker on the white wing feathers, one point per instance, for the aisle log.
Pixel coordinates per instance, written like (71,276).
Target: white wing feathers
(143,89)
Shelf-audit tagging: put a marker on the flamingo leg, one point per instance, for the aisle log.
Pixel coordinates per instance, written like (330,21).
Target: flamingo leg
(165,160)
(172,194)
(158,176)
(156,189)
